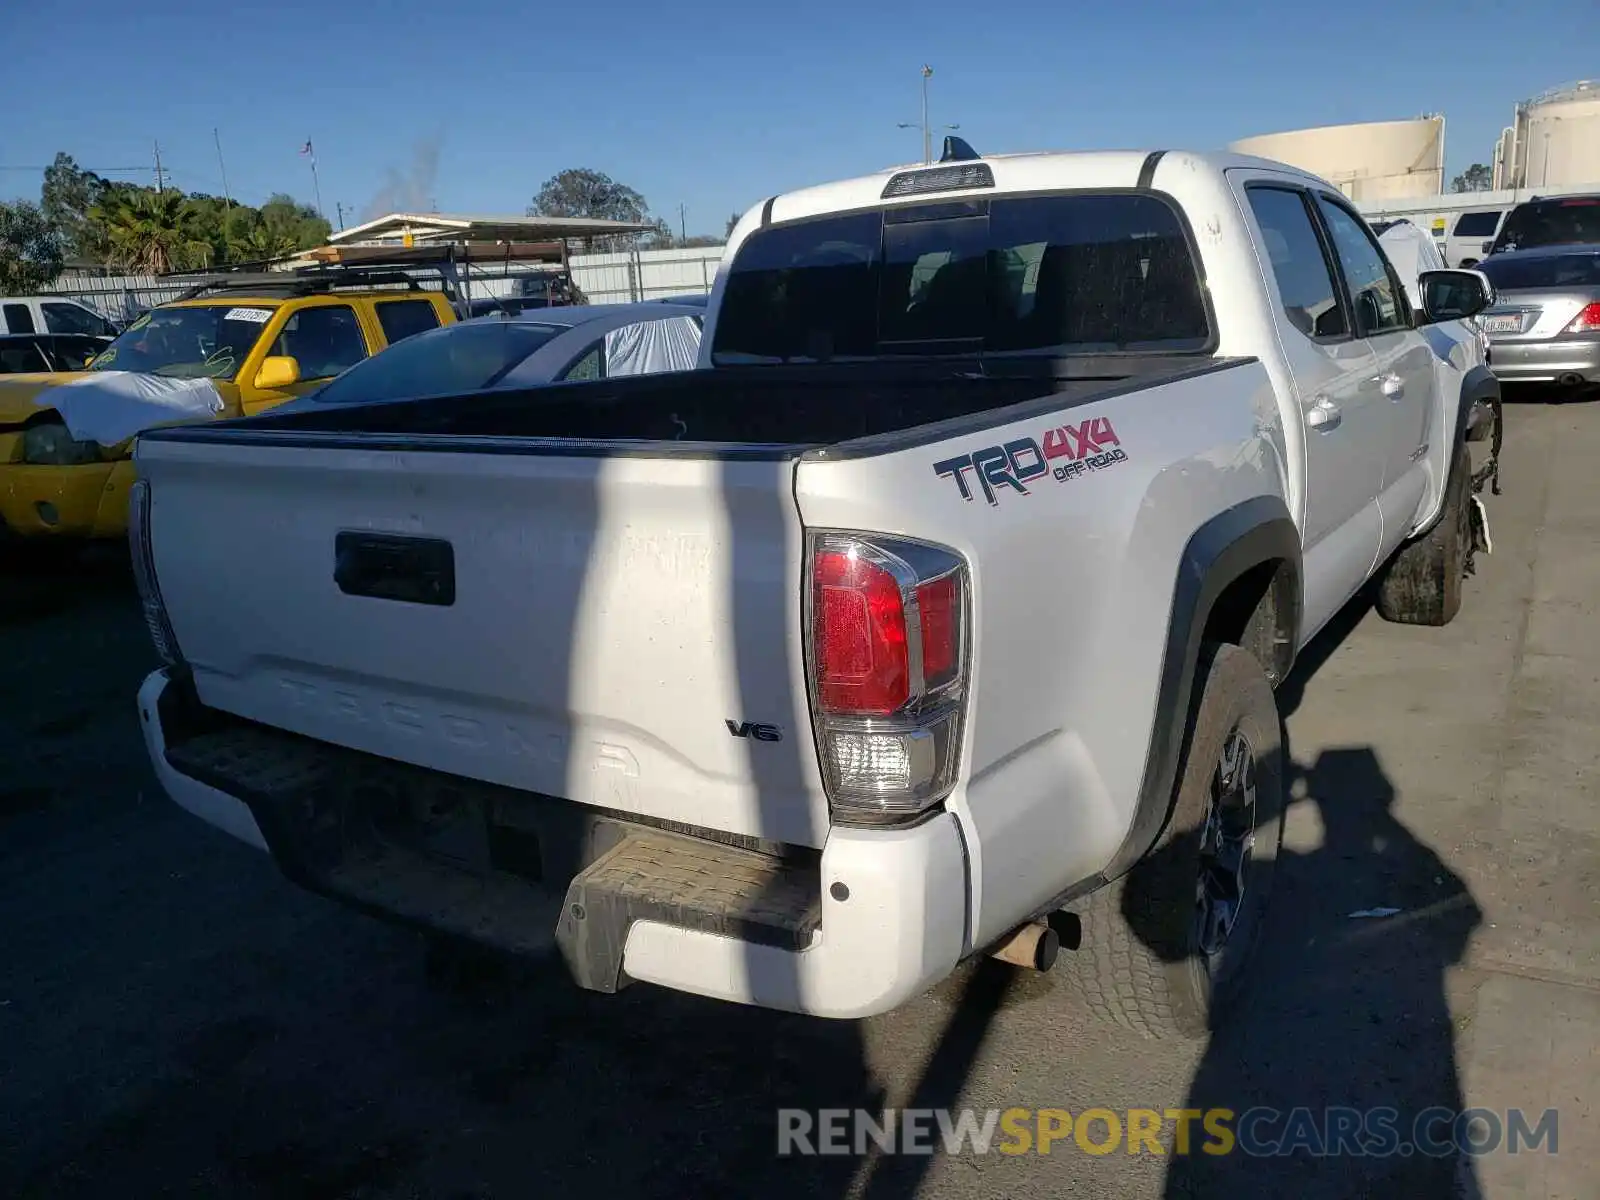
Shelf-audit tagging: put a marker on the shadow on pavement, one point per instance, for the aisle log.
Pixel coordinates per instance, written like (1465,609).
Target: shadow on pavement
(36,581)
(1343,1012)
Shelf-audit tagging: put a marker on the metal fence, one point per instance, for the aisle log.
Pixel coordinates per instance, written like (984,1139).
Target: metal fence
(605,279)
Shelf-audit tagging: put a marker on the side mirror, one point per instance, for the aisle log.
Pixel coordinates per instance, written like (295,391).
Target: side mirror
(278,371)
(1454,295)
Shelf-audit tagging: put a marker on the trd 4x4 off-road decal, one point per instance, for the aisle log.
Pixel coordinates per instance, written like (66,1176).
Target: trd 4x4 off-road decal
(1067,452)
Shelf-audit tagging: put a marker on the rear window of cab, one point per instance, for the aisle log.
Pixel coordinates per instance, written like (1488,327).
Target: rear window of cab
(1066,273)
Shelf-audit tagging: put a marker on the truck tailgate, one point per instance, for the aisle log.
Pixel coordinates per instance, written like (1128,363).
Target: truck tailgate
(605,628)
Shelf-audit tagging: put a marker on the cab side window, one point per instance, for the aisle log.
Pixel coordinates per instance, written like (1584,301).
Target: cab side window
(18,318)
(324,340)
(73,353)
(401,318)
(19,355)
(1379,304)
(1306,286)
(588,365)
(69,318)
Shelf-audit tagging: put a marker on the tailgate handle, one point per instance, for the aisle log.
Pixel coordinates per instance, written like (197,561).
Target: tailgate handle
(389,567)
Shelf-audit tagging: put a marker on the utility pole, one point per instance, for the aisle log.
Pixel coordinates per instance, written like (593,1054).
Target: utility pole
(339,206)
(159,188)
(927,134)
(227,199)
(310,152)
(927,129)
(683,224)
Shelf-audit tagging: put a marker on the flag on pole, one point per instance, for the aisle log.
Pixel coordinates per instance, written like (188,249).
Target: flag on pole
(306,149)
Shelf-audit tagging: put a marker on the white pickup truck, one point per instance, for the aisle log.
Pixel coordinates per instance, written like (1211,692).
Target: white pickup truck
(950,597)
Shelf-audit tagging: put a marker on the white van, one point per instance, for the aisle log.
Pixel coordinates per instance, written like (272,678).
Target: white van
(51,314)
(1470,235)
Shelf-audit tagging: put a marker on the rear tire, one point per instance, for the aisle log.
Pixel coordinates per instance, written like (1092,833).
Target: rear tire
(1151,958)
(1423,581)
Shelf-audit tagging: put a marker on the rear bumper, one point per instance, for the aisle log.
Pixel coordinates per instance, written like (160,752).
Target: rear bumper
(1546,361)
(86,501)
(875,920)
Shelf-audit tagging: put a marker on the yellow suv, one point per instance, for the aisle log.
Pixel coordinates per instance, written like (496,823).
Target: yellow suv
(261,340)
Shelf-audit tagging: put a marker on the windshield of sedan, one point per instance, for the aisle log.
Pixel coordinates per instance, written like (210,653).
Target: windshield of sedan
(1543,271)
(204,341)
(456,358)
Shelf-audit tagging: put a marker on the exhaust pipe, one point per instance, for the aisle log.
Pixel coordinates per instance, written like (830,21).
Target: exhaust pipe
(1570,379)
(1033,946)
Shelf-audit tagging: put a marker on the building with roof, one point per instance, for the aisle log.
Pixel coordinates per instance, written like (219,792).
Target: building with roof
(410,229)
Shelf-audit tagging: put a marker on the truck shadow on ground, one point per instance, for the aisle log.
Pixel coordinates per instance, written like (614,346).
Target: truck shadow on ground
(38,581)
(1344,1011)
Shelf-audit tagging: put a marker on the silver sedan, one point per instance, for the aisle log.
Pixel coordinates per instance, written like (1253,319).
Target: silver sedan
(546,345)
(1544,326)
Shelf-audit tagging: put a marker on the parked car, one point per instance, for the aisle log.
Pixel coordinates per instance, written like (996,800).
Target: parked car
(1471,236)
(591,341)
(1550,221)
(51,314)
(1411,252)
(236,346)
(952,591)
(1544,326)
(35,353)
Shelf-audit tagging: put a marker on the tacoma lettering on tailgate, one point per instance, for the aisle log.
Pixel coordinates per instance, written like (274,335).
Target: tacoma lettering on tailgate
(1065,452)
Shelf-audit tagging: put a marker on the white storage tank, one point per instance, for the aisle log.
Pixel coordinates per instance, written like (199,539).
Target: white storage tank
(1555,140)
(1375,160)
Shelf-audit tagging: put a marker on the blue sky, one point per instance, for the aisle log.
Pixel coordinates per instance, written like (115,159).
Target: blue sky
(716,105)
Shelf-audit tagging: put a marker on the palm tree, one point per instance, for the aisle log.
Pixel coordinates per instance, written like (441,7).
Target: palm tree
(257,238)
(153,232)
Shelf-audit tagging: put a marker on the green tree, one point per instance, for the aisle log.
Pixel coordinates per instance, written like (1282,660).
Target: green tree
(153,232)
(68,195)
(300,221)
(31,248)
(255,236)
(213,219)
(580,192)
(169,230)
(660,236)
(1476,178)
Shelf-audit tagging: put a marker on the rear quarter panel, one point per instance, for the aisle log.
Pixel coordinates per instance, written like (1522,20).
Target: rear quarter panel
(1072,588)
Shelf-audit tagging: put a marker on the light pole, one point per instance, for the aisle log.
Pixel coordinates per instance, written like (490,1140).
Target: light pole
(927,131)
(927,139)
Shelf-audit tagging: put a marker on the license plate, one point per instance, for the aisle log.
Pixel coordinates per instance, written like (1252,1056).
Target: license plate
(1510,323)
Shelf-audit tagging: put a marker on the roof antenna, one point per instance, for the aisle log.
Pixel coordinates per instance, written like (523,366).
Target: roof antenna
(957,150)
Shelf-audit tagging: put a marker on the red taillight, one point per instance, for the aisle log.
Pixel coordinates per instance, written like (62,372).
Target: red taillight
(888,672)
(938,606)
(1588,321)
(860,635)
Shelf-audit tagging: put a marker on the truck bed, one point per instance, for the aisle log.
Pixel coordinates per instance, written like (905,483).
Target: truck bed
(583,591)
(768,411)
